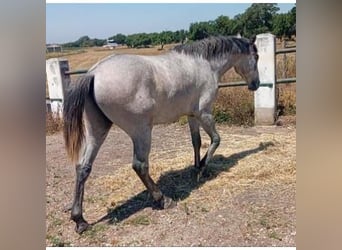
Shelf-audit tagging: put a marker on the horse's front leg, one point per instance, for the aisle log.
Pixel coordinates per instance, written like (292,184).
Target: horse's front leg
(196,139)
(142,146)
(208,124)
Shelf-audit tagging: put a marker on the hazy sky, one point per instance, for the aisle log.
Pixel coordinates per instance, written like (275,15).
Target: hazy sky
(68,22)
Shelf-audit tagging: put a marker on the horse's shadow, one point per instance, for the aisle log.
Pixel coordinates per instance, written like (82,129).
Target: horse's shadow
(178,184)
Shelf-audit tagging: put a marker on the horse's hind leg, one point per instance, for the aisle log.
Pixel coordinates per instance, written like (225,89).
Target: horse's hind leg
(142,146)
(97,127)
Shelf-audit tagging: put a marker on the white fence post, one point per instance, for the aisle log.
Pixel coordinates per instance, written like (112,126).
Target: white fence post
(57,82)
(265,97)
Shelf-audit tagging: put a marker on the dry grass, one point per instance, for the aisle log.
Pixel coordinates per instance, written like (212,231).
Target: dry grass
(251,169)
(287,100)
(273,163)
(89,56)
(53,124)
(234,106)
(64,53)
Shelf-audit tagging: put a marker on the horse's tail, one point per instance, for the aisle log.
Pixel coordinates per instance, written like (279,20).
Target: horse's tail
(73,108)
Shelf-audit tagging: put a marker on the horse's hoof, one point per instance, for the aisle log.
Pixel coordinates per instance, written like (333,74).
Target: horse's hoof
(197,174)
(81,227)
(167,202)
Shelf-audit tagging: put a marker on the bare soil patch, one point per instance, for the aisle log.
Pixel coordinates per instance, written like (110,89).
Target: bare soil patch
(247,197)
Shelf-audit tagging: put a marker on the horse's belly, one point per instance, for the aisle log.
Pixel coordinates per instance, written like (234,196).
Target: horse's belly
(166,118)
(171,112)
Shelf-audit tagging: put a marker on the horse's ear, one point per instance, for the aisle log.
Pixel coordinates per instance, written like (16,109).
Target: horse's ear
(252,39)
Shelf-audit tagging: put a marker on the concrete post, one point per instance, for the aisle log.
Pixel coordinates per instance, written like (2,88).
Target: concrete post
(264,97)
(57,82)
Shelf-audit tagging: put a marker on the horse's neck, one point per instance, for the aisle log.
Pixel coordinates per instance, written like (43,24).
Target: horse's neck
(222,65)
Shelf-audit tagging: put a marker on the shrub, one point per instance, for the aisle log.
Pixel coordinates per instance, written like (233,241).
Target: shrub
(234,106)
(53,124)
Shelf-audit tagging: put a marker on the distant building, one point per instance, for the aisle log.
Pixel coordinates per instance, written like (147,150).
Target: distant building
(111,44)
(53,48)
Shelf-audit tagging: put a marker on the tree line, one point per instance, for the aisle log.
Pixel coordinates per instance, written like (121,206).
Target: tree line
(258,18)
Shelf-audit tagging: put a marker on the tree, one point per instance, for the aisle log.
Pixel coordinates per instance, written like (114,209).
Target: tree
(138,40)
(144,40)
(99,42)
(165,37)
(292,17)
(118,38)
(282,25)
(129,40)
(85,41)
(180,36)
(237,24)
(154,38)
(224,25)
(256,19)
(201,30)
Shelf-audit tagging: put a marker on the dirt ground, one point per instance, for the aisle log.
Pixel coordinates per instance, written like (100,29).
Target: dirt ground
(246,198)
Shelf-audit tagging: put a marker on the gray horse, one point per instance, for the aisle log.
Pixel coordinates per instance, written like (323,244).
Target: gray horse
(136,92)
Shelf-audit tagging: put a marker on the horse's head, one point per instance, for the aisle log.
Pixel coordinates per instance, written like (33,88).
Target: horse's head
(247,66)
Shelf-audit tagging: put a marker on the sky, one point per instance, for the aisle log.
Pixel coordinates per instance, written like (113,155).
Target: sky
(67,22)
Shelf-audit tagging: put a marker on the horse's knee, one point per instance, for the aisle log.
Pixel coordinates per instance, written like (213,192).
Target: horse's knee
(216,139)
(83,171)
(140,166)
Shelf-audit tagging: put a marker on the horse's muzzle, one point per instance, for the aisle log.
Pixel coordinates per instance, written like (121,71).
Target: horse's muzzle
(254,85)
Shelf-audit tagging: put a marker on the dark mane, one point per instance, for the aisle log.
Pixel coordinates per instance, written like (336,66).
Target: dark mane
(215,46)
